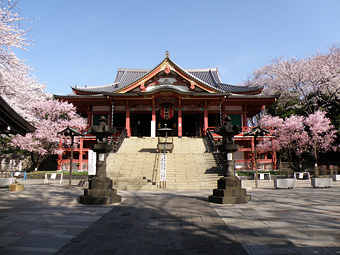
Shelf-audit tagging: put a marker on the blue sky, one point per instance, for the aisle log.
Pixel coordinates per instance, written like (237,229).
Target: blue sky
(83,42)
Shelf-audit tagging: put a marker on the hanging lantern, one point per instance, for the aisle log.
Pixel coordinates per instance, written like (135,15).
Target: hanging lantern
(167,112)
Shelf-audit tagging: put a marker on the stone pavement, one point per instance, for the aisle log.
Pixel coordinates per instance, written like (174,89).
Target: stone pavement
(42,218)
(157,225)
(298,221)
(46,219)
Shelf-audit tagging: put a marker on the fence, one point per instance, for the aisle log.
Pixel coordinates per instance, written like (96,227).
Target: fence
(325,168)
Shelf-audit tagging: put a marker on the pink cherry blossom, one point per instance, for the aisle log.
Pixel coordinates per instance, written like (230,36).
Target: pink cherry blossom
(18,87)
(297,135)
(49,117)
(306,81)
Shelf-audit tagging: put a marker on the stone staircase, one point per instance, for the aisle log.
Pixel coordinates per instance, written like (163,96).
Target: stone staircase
(136,166)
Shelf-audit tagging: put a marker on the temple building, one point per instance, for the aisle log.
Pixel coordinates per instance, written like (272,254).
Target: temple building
(190,101)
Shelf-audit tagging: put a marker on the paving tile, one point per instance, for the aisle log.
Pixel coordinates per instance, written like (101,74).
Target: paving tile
(257,249)
(7,240)
(171,241)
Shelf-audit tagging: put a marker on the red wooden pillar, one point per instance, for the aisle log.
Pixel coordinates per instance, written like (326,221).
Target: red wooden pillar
(127,121)
(274,159)
(60,156)
(153,122)
(205,125)
(179,120)
(253,157)
(89,119)
(244,116)
(244,120)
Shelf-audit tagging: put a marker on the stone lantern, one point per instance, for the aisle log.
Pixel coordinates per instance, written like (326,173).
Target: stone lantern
(100,186)
(229,189)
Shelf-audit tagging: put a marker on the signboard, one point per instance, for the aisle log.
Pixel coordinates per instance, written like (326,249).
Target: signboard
(92,163)
(163,168)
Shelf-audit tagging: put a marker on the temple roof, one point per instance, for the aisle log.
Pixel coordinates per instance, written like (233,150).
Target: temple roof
(11,122)
(208,77)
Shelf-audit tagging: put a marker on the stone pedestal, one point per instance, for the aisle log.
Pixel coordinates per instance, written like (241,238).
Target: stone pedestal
(321,182)
(284,183)
(100,189)
(6,181)
(335,177)
(229,191)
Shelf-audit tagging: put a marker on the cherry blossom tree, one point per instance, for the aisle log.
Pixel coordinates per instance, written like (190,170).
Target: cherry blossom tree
(289,136)
(303,85)
(296,135)
(18,86)
(50,117)
(321,136)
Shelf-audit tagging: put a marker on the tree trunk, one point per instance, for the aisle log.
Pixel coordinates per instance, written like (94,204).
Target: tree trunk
(316,169)
(316,165)
(37,159)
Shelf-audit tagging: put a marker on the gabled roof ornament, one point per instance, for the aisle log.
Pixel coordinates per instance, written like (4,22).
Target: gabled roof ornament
(167,54)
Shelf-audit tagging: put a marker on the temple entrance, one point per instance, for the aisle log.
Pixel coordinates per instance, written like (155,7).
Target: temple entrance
(171,123)
(191,124)
(141,124)
(119,120)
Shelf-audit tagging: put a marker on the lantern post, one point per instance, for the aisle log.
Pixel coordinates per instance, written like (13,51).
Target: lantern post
(70,132)
(256,132)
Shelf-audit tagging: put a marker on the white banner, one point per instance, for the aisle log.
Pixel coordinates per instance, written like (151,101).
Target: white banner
(92,163)
(163,168)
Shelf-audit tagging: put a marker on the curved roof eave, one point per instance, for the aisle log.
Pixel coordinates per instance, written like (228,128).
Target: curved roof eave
(165,88)
(183,71)
(194,77)
(94,89)
(87,96)
(243,90)
(11,122)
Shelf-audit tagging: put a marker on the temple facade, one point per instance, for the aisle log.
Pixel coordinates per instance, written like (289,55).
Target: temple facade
(191,101)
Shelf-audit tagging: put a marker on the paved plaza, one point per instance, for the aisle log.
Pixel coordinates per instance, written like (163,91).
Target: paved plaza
(47,219)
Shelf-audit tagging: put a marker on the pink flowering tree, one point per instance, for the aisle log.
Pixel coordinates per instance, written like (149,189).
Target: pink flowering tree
(321,136)
(303,86)
(289,136)
(18,86)
(49,117)
(296,135)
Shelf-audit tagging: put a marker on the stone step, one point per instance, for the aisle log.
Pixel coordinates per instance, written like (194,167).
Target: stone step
(189,167)
(147,145)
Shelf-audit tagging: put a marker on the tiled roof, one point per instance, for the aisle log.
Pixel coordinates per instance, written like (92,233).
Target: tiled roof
(240,89)
(209,76)
(127,76)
